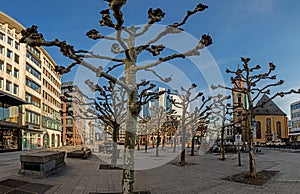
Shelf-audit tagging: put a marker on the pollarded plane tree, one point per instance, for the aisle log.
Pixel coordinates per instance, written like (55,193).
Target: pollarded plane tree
(124,45)
(110,102)
(158,120)
(189,115)
(143,128)
(223,111)
(255,85)
(110,106)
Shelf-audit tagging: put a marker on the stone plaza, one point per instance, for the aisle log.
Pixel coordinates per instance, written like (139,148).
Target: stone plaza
(204,176)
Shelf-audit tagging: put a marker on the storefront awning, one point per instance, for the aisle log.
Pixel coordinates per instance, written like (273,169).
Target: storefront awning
(10,99)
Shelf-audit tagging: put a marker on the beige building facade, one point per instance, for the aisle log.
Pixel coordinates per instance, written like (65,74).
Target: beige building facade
(28,74)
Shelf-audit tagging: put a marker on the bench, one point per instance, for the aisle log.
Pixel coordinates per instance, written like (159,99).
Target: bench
(41,164)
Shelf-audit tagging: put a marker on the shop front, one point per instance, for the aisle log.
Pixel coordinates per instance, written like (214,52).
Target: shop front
(32,138)
(10,122)
(10,139)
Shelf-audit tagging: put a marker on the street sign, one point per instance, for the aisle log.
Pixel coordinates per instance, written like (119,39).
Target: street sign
(238,139)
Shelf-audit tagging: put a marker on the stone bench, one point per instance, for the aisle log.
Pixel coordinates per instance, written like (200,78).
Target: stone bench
(41,164)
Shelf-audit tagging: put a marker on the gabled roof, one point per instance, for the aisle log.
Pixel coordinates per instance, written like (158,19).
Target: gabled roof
(270,108)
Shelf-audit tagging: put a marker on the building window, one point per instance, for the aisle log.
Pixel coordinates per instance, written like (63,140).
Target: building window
(32,117)
(278,129)
(33,85)
(16,89)
(1,50)
(33,50)
(9,54)
(33,71)
(32,100)
(69,121)
(1,36)
(29,56)
(268,125)
(8,69)
(1,65)
(258,130)
(17,58)
(8,86)
(1,82)
(17,46)
(9,41)
(16,73)
(239,99)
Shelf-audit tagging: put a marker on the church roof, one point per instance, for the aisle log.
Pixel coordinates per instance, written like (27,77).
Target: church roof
(270,108)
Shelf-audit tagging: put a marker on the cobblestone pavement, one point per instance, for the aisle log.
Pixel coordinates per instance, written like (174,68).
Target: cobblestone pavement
(205,176)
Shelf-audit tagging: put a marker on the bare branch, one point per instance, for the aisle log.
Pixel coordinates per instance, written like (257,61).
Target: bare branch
(204,42)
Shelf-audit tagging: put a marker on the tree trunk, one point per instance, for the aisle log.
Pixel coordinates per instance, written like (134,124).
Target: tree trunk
(138,142)
(174,143)
(163,142)
(157,145)
(182,157)
(133,109)
(114,157)
(222,150)
(146,143)
(252,169)
(193,146)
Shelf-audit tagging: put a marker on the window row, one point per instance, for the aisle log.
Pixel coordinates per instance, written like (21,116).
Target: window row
(296,115)
(33,85)
(52,68)
(34,51)
(33,59)
(9,41)
(51,123)
(268,129)
(32,100)
(9,69)
(50,110)
(51,88)
(50,99)
(9,86)
(32,117)
(51,78)
(33,71)
(295,106)
(9,54)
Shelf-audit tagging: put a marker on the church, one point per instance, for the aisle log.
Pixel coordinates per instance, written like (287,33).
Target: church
(271,123)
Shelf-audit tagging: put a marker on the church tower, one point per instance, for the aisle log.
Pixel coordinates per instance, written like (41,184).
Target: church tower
(239,103)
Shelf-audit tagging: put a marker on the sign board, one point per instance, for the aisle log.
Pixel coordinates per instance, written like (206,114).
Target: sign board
(238,139)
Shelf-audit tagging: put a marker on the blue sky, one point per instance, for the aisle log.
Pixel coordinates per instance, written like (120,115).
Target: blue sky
(265,30)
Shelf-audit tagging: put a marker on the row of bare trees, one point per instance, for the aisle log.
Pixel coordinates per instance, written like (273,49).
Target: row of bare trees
(125,46)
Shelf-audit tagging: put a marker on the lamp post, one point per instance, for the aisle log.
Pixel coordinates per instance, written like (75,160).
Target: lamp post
(238,125)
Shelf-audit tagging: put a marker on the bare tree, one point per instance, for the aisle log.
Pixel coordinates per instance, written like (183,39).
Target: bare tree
(224,112)
(124,44)
(187,118)
(110,107)
(253,87)
(159,118)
